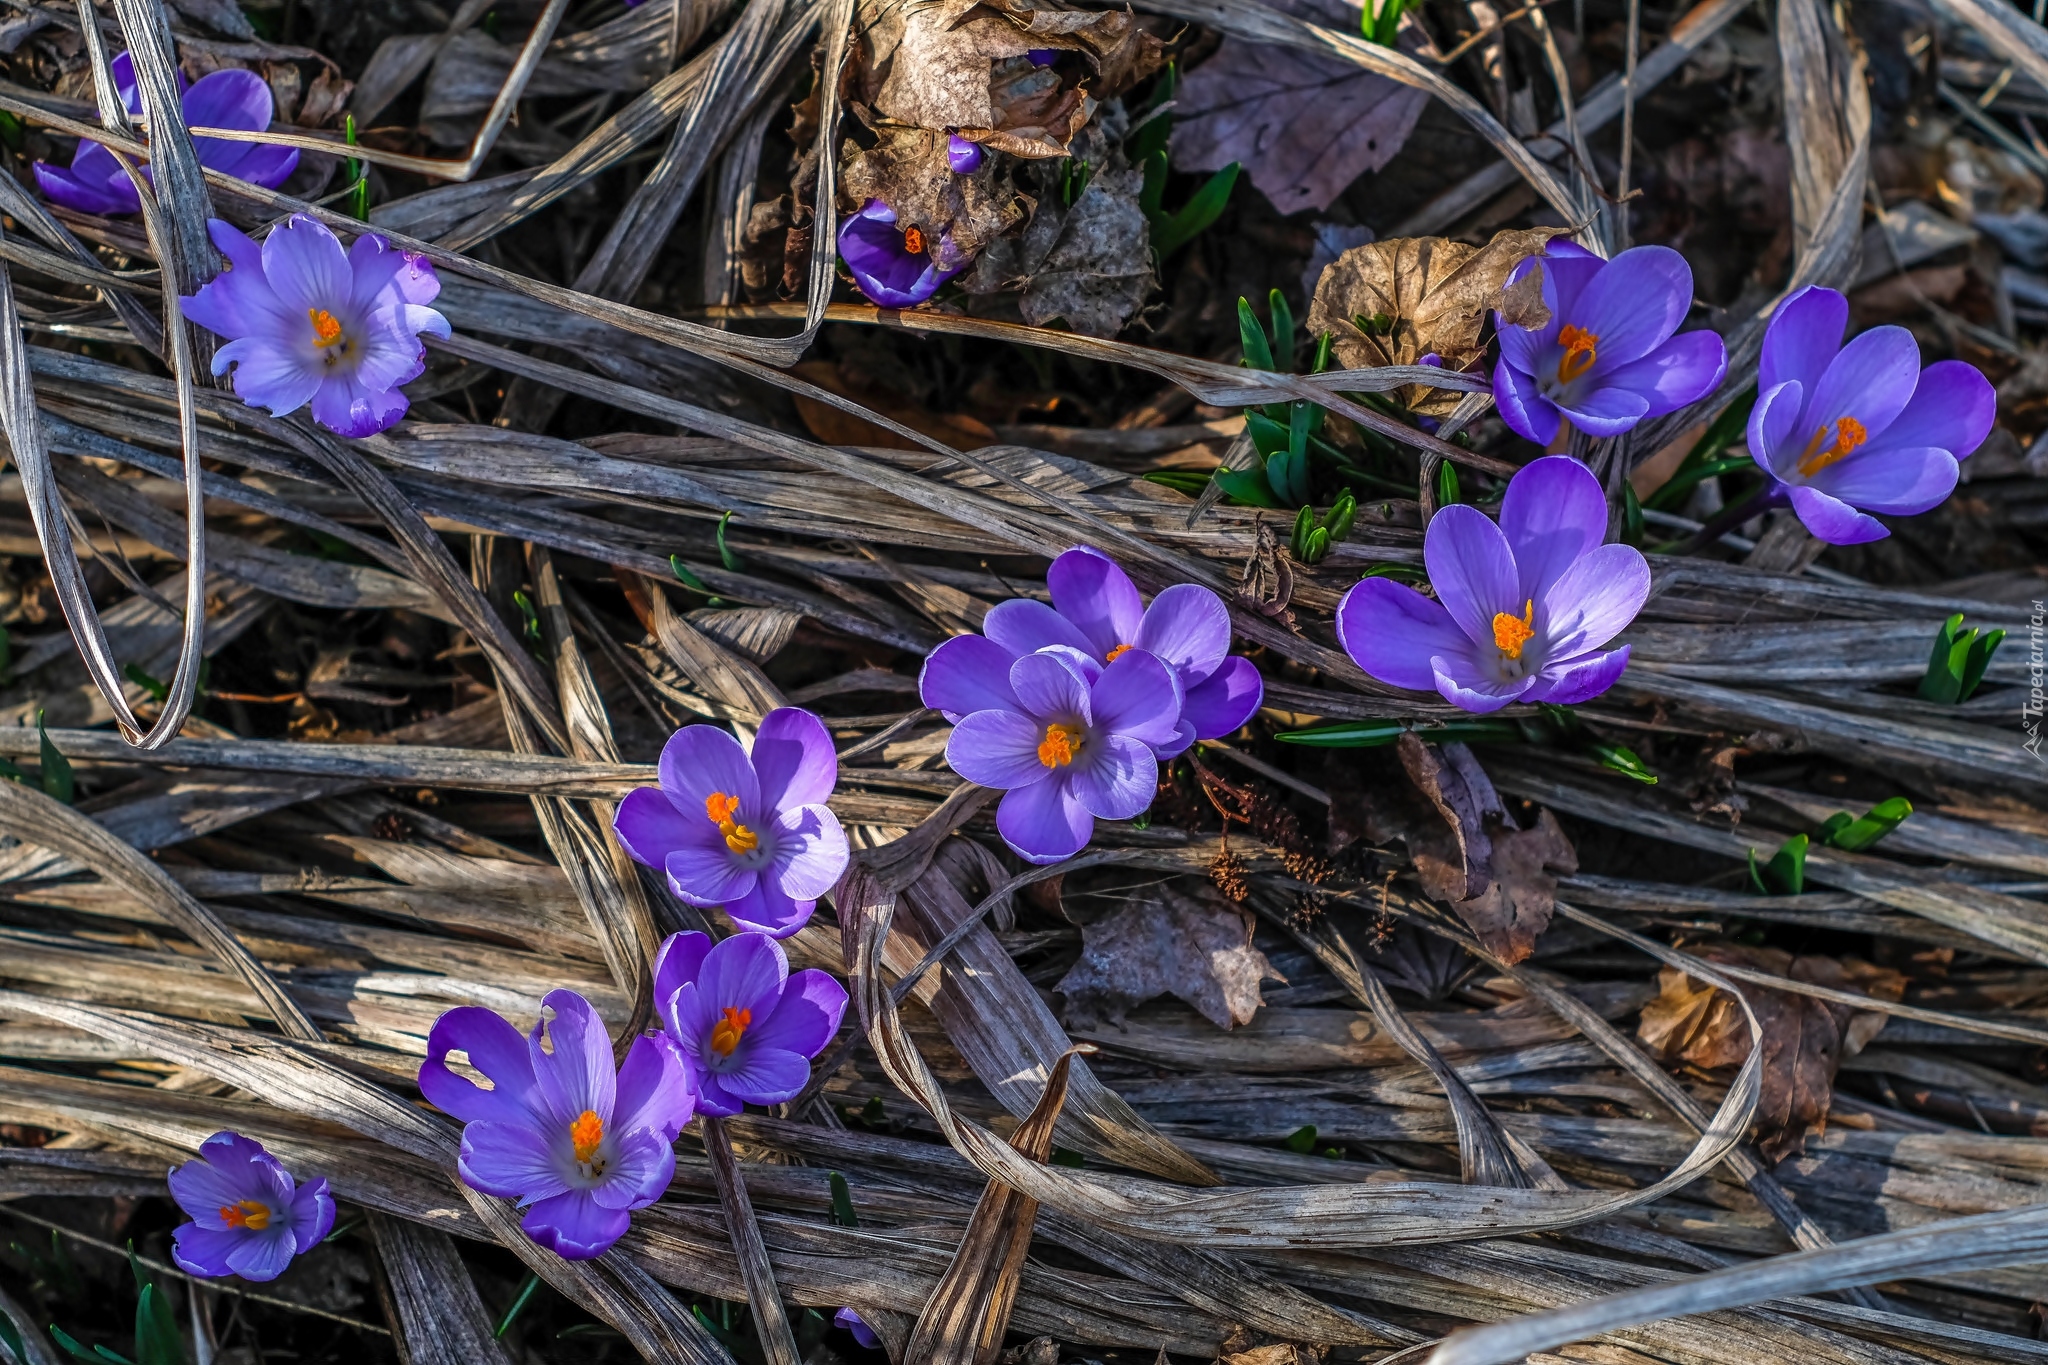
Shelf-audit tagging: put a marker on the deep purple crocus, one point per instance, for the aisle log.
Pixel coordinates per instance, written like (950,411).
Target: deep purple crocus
(1607,358)
(1097,612)
(1070,740)
(965,158)
(896,269)
(1847,430)
(580,1144)
(1521,609)
(236,99)
(749,832)
(249,1218)
(747,1027)
(307,322)
(862,1333)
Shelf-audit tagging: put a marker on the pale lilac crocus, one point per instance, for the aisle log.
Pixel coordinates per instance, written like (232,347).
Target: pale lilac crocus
(746,831)
(1097,612)
(578,1142)
(249,1218)
(746,1026)
(896,268)
(1522,610)
(232,98)
(1607,358)
(308,322)
(1068,739)
(1843,431)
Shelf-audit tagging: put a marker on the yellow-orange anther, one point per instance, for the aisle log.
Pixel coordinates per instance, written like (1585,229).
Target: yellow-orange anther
(326,327)
(727,1032)
(1849,433)
(1117,653)
(584,1135)
(1510,633)
(252,1214)
(1579,354)
(913,241)
(1058,747)
(721,807)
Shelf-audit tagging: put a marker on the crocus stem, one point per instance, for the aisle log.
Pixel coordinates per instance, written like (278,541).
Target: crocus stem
(1728,518)
(770,1322)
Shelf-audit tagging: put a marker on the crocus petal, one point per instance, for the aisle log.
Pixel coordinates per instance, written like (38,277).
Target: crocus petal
(1049,687)
(809,1013)
(1224,700)
(768,909)
(1043,824)
(1601,411)
(267,376)
(967,674)
(761,1075)
(1119,781)
(1833,520)
(1522,404)
(1472,569)
(649,826)
(745,972)
(654,1089)
(700,761)
(574,1226)
(494,1048)
(511,1160)
(1392,631)
(203,1190)
(810,852)
(1471,690)
(1136,696)
(1803,336)
(1024,626)
(230,98)
(1188,627)
(679,962)
(204,1251)
(1897,482)
(862,1333)
(882,265)
(263,1257)
(305,264)
(1953,408)
(1097,598)
(642,1165)
(1552,513)
(1633,304)
(1683,370)
(348,407)
(708,876)
(1771,423)
(997,749)
(1580,679)
(83,189)
(261,165)
(793,759)
(578,1074)
(1593,601)
(1871,380)
(312,1214)
(714,1099)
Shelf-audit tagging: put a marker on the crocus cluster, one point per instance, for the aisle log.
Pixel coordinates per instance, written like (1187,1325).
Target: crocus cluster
(232,99)
(249,1217)
(309,322)
(1843,431)
(1607,358)
(1521,610)
(1068,708)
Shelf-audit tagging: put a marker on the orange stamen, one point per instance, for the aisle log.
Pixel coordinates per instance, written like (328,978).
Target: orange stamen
(727,1032)
(1056,750)
(721,807)
(1116,653)
(326,328)
(913,241)
(1510,633)
(1579,354)
(252,1214)
(585,1134)
(1849,434)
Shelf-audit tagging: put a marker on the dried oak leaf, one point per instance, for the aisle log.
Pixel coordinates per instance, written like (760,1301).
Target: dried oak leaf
(1421,296)
(962,66)
(907,170)
(1304,125)
(1187,942)
(1804,1039)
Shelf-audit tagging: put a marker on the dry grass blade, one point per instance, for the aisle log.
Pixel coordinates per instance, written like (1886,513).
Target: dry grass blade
(432,1296)
(778,1342)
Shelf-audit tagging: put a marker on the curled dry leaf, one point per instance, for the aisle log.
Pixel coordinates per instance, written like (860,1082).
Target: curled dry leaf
(1188,942)
(1804,1039)
(907,170)
(962,66)
(1243,1347)
(1394,302)
(1265,583)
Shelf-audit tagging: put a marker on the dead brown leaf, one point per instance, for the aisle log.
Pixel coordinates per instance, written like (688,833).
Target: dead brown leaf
(1394,302)
(1186,942)
(1266,582)
(1242,1347)
(1804,1039)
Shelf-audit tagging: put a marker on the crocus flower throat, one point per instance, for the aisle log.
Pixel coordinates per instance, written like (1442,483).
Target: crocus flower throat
(252,1214)
(721,807)
(1510,633)
(730,1028)
(1579,352)
(1060,744)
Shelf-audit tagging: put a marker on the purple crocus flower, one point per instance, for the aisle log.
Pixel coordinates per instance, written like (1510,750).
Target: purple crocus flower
(1846,430)
(1521,609)
(965,158)
(1097,612)
(862,1333)
(248,1216)
(746,1027)
(1607,358)
(307,322)
(751,833)
(237,99)
(580,1144)
(1070,740)
(895,269)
